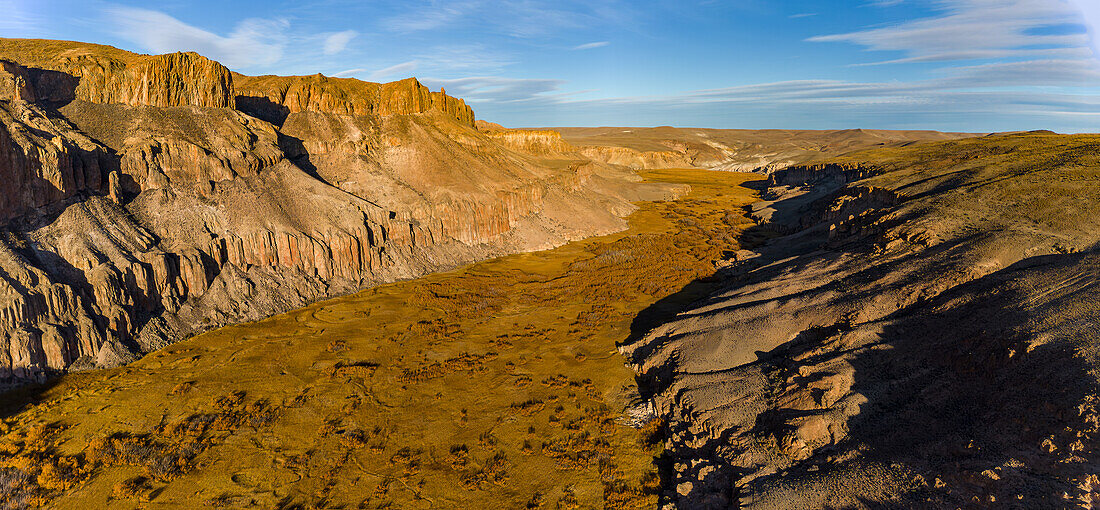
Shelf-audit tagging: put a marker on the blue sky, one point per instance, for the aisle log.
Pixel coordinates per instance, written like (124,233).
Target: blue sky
(960,65)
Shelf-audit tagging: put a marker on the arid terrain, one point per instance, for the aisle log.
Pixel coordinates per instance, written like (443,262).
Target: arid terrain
(223,290)
(738,150)
(153,197)
(924,336)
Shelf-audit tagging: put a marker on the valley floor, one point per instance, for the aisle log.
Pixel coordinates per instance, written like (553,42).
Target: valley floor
(498,385)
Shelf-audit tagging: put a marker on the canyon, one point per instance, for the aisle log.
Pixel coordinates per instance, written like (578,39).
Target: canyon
(305,291)
(152,197)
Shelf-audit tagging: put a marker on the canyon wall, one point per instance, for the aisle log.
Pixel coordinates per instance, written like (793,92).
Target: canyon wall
(153,197)
(270,97)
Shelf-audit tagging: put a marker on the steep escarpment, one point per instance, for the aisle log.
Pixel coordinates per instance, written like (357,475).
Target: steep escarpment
(893,348)
(273,97)
(530,140)
(153,197)
(58,71)
(45,162)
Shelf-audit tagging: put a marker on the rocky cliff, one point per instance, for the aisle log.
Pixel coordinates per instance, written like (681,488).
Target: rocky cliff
(272,97)
(148,198)
(531,141)
(62,72)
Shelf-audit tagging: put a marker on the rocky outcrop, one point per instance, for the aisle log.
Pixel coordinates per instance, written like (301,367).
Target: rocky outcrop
(834,174)
(14,83)
(538,142)
(175,79)
(142,208)
(158,148)
(272,97)
(632,158)
(44,161)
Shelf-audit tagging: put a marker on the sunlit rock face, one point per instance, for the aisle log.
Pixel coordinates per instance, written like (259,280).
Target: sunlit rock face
(147,198)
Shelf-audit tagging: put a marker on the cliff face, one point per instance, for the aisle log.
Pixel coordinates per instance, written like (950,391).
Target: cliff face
(142,207)
(44,161)
(542,142)
(176,79)
(273,97)
(638,159)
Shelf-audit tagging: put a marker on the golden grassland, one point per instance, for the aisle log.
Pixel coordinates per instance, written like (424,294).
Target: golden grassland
(497,385)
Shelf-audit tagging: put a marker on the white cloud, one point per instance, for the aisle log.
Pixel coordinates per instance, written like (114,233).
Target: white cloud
(349,72)
(518,18)
(336,43)
(463,58)
(966,27)
(403,68)
(591,45)
(1090,11)
(17,19)
(253,42)
(497,90)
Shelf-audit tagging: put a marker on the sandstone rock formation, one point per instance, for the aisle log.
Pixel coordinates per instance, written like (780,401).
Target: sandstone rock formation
(923,337)
(147,198)
(268,97)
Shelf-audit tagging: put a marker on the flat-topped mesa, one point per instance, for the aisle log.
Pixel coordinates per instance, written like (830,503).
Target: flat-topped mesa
(272,97)
(173,79)
(532,141)
(410,96)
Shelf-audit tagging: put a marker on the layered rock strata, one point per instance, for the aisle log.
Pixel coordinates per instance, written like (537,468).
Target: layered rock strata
(153,197)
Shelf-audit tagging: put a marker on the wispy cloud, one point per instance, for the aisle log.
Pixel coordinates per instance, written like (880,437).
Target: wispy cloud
(404,68)
(1090,11)
(498,90)
(253,41)
(967,27)
(591,45)
(336,43)
(802,15)
(464,58)
(518,18)
(349,73)
(17,19)
(1008,95)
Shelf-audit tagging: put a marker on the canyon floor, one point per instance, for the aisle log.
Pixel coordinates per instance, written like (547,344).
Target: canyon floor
(495,385)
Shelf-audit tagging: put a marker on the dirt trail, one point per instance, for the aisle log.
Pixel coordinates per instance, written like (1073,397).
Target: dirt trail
(496,385)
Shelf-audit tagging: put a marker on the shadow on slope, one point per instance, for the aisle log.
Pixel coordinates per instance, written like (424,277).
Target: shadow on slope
(984,394)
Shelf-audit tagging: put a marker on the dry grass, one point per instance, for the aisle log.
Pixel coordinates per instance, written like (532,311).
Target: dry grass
(497,385)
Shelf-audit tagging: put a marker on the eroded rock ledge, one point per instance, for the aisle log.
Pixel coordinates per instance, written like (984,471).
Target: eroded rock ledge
(148,198)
